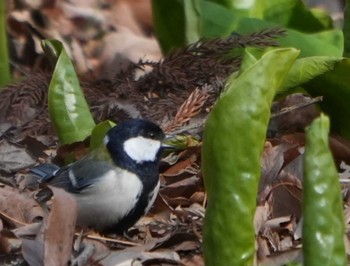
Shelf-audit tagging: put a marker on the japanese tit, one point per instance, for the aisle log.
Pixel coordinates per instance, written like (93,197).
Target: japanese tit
(116,186)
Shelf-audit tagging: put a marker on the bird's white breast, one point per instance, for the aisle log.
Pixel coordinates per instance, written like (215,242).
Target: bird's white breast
(118,192)
(142,149)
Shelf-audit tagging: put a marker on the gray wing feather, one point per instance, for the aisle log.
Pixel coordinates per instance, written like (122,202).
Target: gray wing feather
(79,175)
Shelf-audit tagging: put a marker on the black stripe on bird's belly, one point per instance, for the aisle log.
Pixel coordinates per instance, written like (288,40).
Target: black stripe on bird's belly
(137,212)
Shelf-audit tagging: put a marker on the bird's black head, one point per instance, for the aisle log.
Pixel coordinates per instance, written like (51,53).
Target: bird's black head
(135,142)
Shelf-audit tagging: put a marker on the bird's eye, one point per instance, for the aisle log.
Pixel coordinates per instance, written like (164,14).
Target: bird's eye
(151,135)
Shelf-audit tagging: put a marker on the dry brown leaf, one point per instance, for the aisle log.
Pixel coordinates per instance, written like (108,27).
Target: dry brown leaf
(4,244)
(58,228)
(198,197)
(275,223)
(187,246)
(140,252)
(196,260)
(18,208)
(13,157)
(284,202)
(54,236)
(263,248)
(260,217)
(180,167)
(33,251)
(27,231)
(175,201)
(293,255)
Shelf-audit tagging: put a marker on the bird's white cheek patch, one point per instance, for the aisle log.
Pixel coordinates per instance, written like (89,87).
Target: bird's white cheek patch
(141,149)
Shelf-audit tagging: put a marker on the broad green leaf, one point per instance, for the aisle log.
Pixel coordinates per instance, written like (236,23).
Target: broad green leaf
(99,132)
(219,21)
(176,22)
(68,108)
(306,69)
(229,4)
(292,14)
(334,86)
(323,18)
(169,23)
(326,43)
(192,11)
(231,170)
(5,76)
(241,6)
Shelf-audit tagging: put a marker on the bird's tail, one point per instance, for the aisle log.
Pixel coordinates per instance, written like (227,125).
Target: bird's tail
(44,171)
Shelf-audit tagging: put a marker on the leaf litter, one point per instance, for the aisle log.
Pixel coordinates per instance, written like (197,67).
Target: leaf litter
(170,91)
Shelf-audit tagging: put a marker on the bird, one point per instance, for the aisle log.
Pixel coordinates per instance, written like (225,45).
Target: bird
(117,184)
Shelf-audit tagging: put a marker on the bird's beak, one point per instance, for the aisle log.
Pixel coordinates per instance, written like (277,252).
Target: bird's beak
(168,142)
(168,146)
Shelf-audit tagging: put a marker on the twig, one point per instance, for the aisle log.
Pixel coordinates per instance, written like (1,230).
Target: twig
(297,106)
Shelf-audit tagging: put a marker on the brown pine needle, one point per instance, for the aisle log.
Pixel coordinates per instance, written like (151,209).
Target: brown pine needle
(190,108)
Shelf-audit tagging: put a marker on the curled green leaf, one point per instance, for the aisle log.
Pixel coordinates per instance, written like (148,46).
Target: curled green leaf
(234,137)
(323,225)
(52,50)
(68,108)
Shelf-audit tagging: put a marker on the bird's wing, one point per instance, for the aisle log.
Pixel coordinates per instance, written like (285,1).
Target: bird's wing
(44,171)
(76,176)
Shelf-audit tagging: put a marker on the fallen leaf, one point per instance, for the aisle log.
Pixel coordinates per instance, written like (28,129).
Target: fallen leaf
(195,260)
(128,255)
(260,217)
(58,228)
(19,208)
(293,255)
(27,231)
(14,157)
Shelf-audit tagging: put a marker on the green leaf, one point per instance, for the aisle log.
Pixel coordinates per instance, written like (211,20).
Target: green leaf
(219,21)
(68,108)
(5,76)
(234,137)
(306,69)
(323,18)
(182,141)
(176,22)
(335,88)
(323,224)
(52,50)
(229,4)
(237,5)
(293,14)
(98,134)
(326,43)
(193,22)
(346,30)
